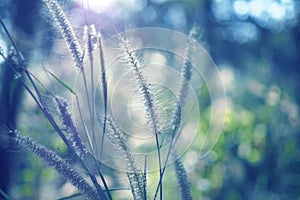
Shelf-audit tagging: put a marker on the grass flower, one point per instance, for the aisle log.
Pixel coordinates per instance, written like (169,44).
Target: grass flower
(54,160)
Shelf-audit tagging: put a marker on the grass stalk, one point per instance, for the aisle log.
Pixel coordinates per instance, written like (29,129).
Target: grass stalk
(104,88)
(134,175)
(185,77)
(134,64)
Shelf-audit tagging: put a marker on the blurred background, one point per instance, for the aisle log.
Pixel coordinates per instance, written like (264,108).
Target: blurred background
(254,43)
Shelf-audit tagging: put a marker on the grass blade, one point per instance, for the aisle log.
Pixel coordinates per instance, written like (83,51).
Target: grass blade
(61,82)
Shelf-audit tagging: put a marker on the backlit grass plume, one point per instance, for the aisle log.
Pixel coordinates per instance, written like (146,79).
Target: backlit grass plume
(74,137)
(182,178)
(66,31)
(185,77)
(134,174)
(54,160)
(130,58)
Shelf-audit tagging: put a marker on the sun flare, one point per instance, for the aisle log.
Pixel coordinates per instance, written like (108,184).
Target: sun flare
(98,6)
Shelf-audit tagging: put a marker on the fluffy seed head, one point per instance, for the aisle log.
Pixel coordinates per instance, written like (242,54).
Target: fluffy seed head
(66,31)
(90,38)
(54,160)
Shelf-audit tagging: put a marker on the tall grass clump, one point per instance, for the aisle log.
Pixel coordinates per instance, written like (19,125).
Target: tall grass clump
(81,136)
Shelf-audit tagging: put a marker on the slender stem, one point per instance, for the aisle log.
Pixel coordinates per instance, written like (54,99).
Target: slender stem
(93,97)
(82,122)
(89,104)
(145,178)
(160,165)
(104,89)
(165,164)
(103,180)
(94,159)
(12,42)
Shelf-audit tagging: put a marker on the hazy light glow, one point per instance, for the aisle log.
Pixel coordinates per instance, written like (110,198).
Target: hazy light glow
(227,76)
(241,8)
(222,9)
(97,6)
(256,8)
(277,11)
(175,16)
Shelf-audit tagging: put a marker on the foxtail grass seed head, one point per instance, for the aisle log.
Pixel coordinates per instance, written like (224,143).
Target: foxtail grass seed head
(54,160)
(182,180)
(73,136)
(103,72)
(130,58)
(90,38)
(135,176)
(185,77)
(62,105)
(66,31)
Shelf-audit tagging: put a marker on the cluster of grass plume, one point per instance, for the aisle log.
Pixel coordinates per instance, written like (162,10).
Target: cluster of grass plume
(87,183)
